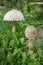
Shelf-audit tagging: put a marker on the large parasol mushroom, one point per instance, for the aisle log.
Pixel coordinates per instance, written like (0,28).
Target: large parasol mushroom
(14,16)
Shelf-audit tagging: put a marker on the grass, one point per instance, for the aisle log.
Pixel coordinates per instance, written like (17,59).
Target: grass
(14,47)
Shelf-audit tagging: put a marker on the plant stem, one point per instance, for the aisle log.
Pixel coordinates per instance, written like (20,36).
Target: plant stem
(31,48)
(14,27)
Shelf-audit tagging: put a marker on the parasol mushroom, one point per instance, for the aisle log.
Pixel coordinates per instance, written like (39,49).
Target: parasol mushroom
(14,16)
(30,33)
(39,34)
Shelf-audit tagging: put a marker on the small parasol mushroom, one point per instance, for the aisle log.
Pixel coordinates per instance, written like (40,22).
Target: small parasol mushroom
(30,33)
(14,16)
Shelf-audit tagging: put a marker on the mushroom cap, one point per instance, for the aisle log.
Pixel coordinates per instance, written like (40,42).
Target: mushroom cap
(30,32)
(13,15)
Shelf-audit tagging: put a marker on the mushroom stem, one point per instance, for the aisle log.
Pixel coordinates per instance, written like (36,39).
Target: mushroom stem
(14,27)
(31,48)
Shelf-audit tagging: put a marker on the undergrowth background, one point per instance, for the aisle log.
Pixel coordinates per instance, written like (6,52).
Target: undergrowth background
(14,47)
